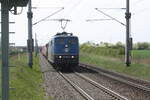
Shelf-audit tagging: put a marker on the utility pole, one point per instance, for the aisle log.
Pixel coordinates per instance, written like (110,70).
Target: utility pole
(5,48)
(30,40)
(127,48)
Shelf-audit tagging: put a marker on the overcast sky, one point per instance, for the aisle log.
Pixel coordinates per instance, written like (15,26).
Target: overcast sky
(78,11)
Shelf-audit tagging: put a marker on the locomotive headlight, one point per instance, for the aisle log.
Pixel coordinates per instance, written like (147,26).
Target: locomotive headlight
(60,57)
(66,50)
(72,56)
(66,45)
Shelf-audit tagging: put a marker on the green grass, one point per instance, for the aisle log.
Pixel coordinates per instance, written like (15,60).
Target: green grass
(114,64)
(143,54)
(0,80)
(25,83)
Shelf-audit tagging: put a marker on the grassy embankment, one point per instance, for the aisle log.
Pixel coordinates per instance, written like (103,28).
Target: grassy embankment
(25,83)
(140,66)
(0,80)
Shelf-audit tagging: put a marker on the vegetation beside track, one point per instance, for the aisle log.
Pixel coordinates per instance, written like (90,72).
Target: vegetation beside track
(0,79)
(105,58)
(25,83)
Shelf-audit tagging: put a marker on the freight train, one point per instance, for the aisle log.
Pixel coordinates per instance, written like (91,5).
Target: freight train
(62,51)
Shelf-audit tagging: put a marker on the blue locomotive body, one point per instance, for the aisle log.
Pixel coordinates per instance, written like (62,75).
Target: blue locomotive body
(63,50)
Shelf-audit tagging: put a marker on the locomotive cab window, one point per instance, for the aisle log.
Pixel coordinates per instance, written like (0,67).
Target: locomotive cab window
(72,41)
(60,41)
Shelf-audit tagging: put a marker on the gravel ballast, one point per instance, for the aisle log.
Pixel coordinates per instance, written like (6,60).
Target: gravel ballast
(125,90)
(55,86)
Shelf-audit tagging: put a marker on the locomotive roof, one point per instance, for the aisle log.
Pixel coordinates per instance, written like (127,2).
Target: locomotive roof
(64,34)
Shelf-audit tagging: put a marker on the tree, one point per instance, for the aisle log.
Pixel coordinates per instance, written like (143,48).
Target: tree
(119,44)
(143,45)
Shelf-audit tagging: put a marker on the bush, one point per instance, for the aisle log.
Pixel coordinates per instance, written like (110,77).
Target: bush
(107,50)
(142,46)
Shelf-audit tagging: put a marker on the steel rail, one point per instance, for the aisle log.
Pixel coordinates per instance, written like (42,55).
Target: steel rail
(112,72)
(138,86)
(81,91)
(106,90)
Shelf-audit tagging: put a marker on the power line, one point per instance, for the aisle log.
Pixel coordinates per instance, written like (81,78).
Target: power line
(138,2)
(110,17)
(73,7)
(48,16)
(61,21)
(45,7)
(113,8)
(141,11)
(97,19)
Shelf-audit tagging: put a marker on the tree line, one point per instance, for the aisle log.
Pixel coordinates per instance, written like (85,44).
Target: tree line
(135,46)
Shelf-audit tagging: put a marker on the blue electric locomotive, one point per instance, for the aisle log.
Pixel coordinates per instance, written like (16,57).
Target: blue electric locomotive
(63,50)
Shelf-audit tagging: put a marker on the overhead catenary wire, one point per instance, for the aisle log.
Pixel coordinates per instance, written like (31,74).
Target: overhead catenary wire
(110,17)
(141,11)
(48,16)
(113,8)
(61,21)
(73,7)
(137,2)
(36,7)
(97,19)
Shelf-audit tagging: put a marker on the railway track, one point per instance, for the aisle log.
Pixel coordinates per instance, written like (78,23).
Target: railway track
(139,84)
(92,90)
(112,95)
